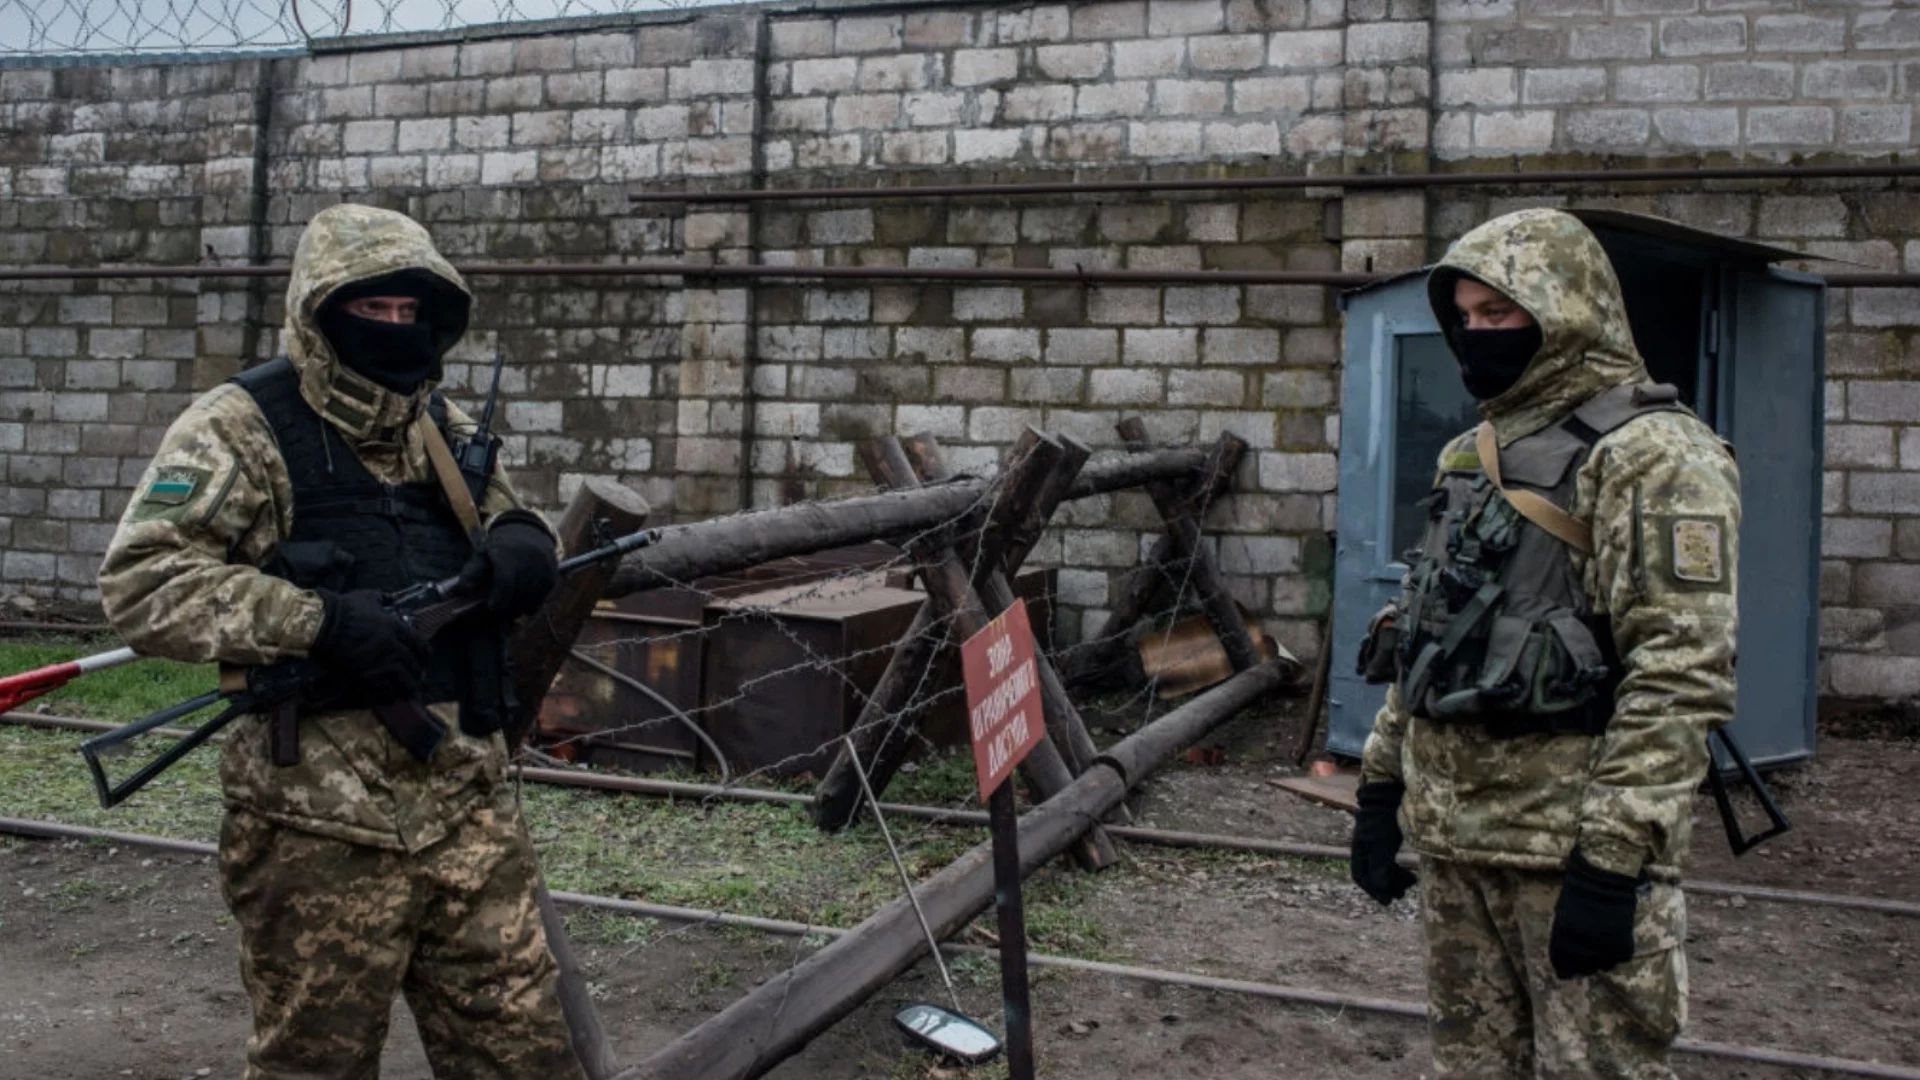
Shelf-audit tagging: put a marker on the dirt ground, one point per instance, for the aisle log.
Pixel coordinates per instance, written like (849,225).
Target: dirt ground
(120,962)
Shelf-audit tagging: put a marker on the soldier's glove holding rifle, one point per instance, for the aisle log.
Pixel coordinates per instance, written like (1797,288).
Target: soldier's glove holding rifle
(1593,922)
(370,647)
(1376,840)
(515,565)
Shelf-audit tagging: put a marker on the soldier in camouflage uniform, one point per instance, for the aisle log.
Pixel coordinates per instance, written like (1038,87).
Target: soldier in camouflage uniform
(353,869)
(1552,692)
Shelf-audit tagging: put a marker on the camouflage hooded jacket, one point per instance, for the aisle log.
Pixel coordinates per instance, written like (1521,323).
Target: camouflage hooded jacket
(1624,797)
(181,578)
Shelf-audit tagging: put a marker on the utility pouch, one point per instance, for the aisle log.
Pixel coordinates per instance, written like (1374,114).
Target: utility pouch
(311,564)
(1380,651)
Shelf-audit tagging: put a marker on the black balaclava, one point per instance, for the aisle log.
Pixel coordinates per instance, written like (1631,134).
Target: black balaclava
(398,356)
(1491,361)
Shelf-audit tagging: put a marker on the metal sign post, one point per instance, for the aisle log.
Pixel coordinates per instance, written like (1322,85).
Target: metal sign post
(1005,722)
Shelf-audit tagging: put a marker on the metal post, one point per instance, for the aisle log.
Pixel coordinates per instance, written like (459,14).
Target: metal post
(1013,932)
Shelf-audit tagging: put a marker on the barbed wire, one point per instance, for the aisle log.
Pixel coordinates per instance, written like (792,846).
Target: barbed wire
(52,28)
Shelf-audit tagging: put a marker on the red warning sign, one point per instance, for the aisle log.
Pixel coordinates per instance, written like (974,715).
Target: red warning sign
(1003,696)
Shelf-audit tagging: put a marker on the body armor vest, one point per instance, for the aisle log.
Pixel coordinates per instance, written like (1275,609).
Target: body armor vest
(352,530)
(1493,625)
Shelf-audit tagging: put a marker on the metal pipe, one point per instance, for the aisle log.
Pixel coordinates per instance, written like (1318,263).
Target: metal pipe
(1274,183)
(998,274)
(1296,849)
(1165,977)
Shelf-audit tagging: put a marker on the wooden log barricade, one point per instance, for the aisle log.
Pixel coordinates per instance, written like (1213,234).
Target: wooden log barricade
(1108,658)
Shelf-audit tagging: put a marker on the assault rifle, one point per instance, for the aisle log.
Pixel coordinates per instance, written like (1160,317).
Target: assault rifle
(279,689)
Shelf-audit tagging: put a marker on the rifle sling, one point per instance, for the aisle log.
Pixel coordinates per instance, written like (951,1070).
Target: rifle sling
(1563,526)
(447,471)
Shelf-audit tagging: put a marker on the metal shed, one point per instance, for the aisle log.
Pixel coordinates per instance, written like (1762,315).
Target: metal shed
(1743,340)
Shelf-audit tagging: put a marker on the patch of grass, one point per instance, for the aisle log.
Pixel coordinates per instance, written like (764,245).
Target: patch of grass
(73,894)
(121,694)
(43,776)
(942,779)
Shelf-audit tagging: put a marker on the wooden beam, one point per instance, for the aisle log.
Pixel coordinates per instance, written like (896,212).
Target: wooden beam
(1096,662)
(951,590)
(776,1020)
(734,543)
(1034,468)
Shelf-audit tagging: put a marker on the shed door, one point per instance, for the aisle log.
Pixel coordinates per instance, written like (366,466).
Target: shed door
(1774,375)
(1400,404)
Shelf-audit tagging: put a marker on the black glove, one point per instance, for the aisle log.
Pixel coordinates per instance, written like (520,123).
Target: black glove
(376,651)
(1376,840)
(515,563)
(1593,922)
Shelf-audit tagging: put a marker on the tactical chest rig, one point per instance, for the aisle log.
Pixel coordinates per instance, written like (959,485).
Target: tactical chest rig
(1493,625)
(352,530)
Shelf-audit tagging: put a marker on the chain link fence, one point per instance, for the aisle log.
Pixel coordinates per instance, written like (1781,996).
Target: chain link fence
(62,28)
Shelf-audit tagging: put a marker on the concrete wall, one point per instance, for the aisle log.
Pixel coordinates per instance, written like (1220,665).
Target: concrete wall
(711,398)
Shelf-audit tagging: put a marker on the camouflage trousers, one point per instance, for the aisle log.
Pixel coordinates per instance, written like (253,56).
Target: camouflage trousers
(1497,1010)
(329,931)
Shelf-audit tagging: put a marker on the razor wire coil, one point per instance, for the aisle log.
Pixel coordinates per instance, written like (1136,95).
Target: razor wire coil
(69,28)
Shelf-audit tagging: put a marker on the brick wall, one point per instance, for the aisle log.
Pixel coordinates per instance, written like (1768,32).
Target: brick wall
(709,398)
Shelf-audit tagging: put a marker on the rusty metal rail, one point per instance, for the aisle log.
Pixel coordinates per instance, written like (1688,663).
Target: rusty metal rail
(1385,182)
(1293,849)
(1412,1010)
(1017,275)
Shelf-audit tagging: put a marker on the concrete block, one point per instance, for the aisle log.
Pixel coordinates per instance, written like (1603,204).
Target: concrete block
(1082,347)
(940,421)
(1003,345)
(1306,50)
(1227,52)
(1202,305)
(1896,28)
(970,384)
(1856,538)
(989,304)
(1386,43)
(986,144)
(940,29)
(1285,94)
(1110,99)
(1072,62)
(1226,140)
(915,148)
(1789,125)
(1848,79)
(1297,390)
(631,86)
(1873,675)
(1854,446)
(1611,41)
(1281,471)
(1047,101)
(980,67)
(1876,125)
(1218,389)
(1750,82)
(1803,216)
(1703,35)
(1879,493)
(1161,347)
(1107,21)
(1170,18)
(839,305)
(1608,127)
(866,34)
(1049,22)
(800,37)
(1126,386)
(1523,130)
(825,76)
(1150,58)
(1662,83)
(1479,87)
(1164,138)
(1189,97)
(1698,127)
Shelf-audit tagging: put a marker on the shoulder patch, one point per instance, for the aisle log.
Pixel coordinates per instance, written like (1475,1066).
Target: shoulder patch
(1698,552)
(170,492)
(174,485)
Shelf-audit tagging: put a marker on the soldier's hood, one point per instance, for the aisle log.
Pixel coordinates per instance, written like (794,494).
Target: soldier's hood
(342,245)
(1550,264)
